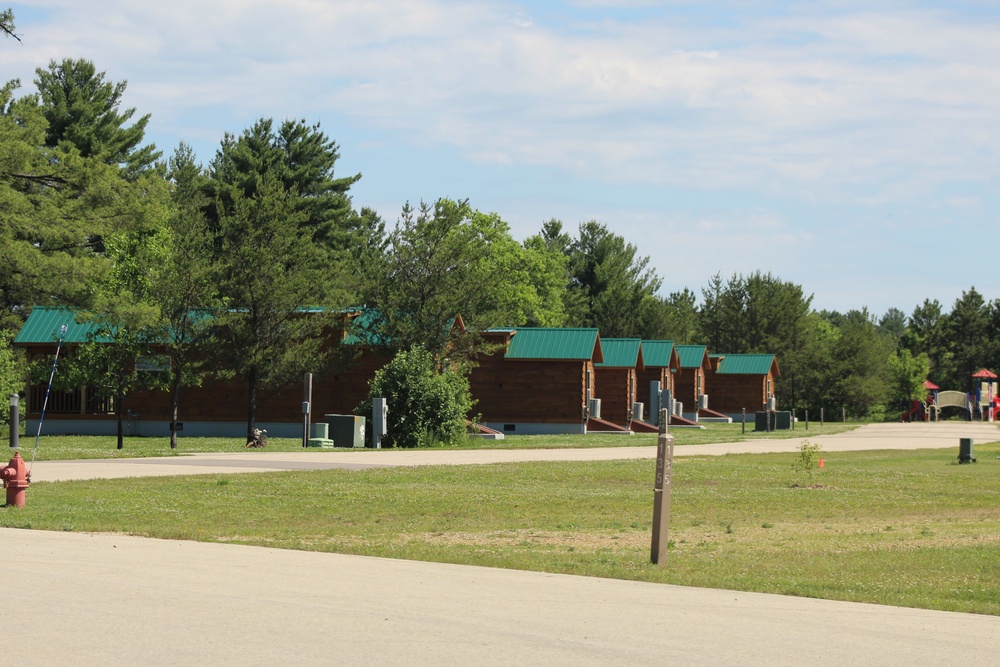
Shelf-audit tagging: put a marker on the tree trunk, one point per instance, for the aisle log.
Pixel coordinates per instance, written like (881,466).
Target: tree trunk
(120,409)
(175,399)
(252,405)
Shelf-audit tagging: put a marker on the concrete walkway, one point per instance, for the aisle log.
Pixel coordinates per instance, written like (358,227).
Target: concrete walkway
(87,599)
(873,436)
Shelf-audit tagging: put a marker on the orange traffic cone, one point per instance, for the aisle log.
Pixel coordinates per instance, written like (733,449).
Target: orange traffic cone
(821,464)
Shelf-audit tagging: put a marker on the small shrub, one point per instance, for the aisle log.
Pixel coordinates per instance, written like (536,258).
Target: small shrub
(808,458)
(426,408)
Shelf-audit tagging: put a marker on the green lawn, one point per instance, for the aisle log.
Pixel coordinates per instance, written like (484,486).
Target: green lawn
(59,447)
(891,527)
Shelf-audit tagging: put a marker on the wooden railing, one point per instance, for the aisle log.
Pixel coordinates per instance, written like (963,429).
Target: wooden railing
(85,401)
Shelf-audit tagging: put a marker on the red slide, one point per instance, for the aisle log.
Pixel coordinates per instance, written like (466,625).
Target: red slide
(917,409)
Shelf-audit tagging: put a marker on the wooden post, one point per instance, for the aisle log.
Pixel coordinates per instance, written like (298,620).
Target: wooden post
(743,430)
(661,493)
(807,419)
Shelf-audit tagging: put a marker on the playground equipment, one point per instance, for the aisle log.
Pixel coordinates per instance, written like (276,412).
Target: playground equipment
(924,410)
(985,393)
(982,402)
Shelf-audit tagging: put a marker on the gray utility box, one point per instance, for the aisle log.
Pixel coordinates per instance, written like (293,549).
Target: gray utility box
(779,421)
(346,430)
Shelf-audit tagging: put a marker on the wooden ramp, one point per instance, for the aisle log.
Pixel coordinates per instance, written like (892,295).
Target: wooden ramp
(603,426)
(643,427)
(677,420)
(482,431)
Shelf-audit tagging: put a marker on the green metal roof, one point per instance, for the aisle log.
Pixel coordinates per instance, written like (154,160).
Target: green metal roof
(621,353)
(563,344)
(363,327)
(691,356)
(657,353)
(361,330)
(746,364)
(44,323)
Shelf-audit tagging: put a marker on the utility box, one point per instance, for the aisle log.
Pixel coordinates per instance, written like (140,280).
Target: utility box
(346,430)
(654,402)
(380,421)
(779,421)
(320,435)
(965,451)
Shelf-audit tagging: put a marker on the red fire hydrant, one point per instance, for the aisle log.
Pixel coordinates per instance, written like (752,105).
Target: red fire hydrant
(16,478)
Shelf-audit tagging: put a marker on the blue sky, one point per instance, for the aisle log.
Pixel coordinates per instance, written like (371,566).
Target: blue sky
(850,147)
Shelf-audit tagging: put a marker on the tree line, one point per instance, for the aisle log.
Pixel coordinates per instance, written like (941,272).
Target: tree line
(216,263)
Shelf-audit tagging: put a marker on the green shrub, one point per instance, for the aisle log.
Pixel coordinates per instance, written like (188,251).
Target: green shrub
(426,407)
(808,457)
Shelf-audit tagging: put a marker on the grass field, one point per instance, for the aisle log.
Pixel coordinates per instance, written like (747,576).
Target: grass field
(910,528)
(60,447)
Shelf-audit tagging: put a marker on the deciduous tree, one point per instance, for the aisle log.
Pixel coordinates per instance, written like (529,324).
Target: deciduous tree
(184,285)
(450,259)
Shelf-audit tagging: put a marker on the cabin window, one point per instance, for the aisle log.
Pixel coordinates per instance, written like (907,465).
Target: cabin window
(153,364)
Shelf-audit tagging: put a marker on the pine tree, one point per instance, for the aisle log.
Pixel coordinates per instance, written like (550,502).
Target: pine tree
(82,110)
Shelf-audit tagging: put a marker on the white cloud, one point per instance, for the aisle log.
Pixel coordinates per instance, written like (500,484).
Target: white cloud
(818,107)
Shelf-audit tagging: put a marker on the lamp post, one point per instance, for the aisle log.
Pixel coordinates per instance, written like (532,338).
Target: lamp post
(15,421)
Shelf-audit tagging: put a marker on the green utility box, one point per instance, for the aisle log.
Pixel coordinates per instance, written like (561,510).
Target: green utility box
(346,430)
(320,433)
(779,421)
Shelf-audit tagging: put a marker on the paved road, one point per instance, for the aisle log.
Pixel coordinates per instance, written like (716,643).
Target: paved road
(118,600)
(874,436)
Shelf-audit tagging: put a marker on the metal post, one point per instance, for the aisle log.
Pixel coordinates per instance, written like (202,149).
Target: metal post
(807,419)
(821,417)
(661,492)
(843,413)
(307,390)
(794,411)
(15,421)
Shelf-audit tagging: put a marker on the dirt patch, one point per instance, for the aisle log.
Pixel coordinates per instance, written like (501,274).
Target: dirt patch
(522,538)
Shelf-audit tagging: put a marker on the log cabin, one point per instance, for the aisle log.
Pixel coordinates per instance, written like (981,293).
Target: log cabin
(742,381)
(690,378)
(660,363)
(617,384)
(218,407)
(536,380)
